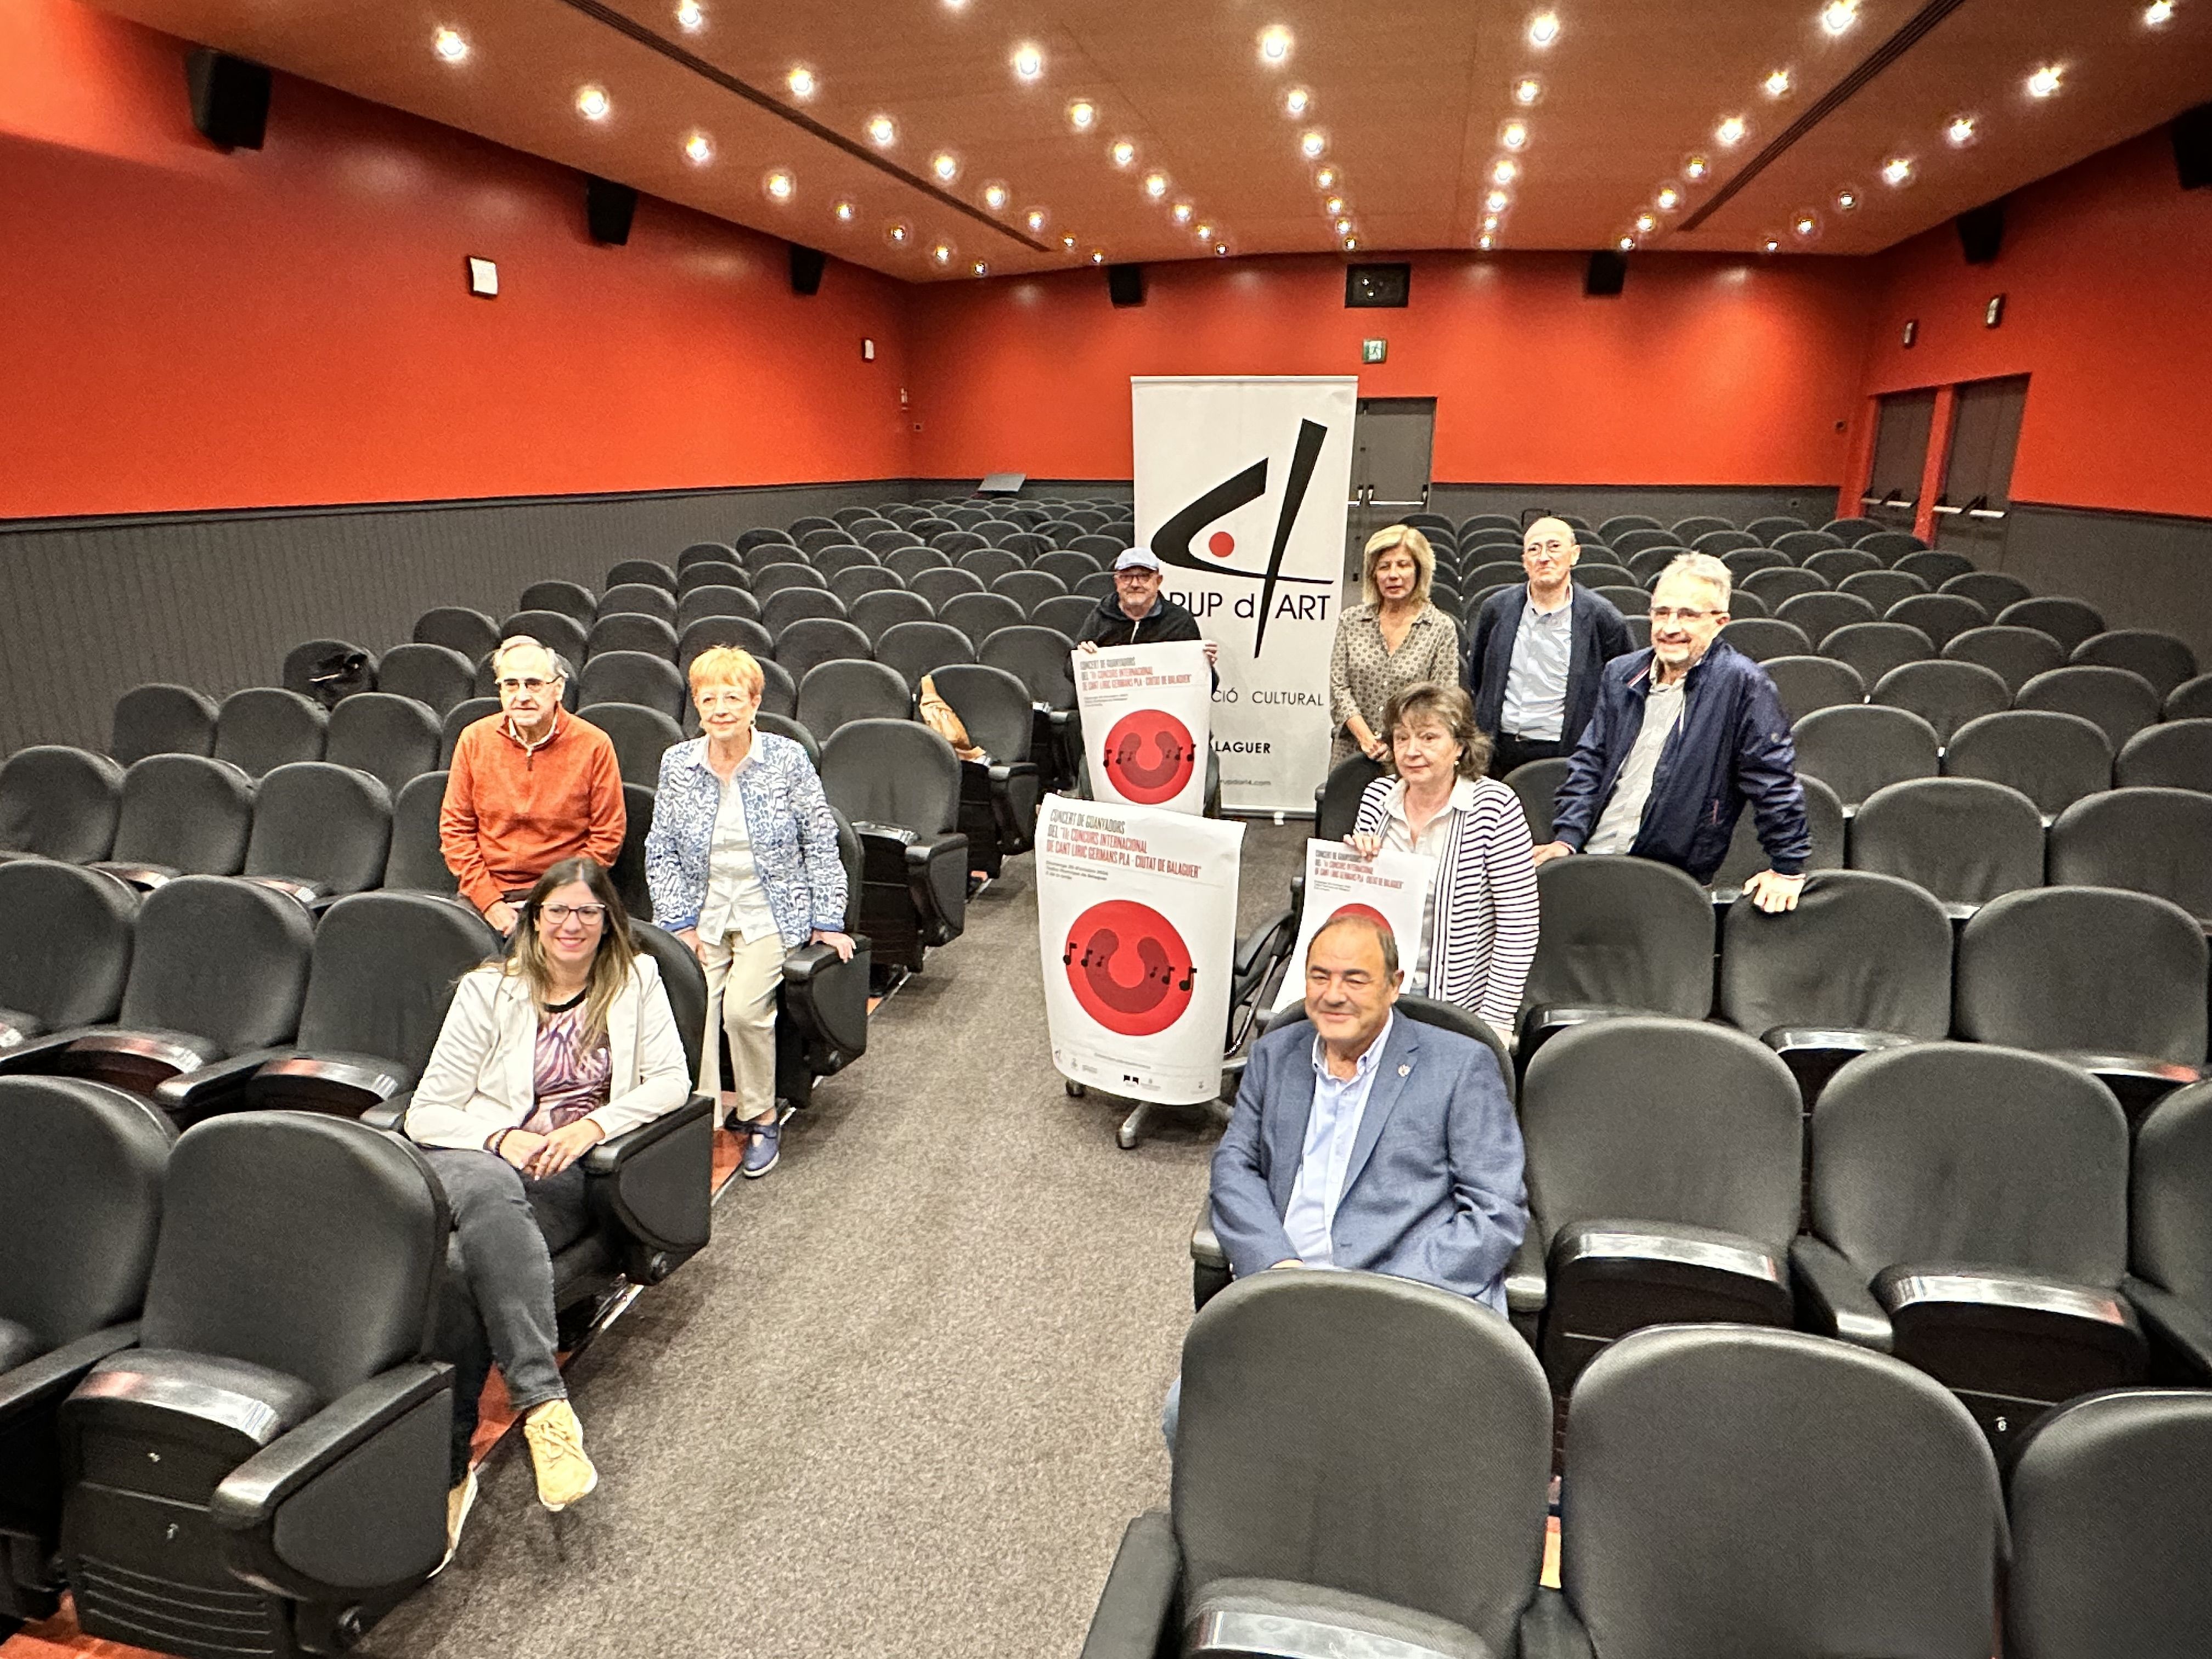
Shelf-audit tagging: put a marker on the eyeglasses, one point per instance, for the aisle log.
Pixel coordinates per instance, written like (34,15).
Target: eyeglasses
(531,686)
(590,914)
(1556,549)
(1667,613)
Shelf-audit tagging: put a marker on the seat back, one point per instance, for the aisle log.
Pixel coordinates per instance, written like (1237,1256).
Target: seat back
(1038,657)
(628,872)
(714,590)
(2016,656)
(1418,1484)
(416,860)
(1761,637)
(1875,648)
(457,628)
(893,772)
(649,572)
(222,959)
(1028,588)
(704,553)
(1820,613)
(2147,840)
(307,1244)
(1623,933)
(325,671)
(186,812)
(1992,590)
(2070,622)
(571,600)
(382,975)
(555,630)
(1861,952)
(683,980)
(916,648)
(838,692)
(992,704)
(1935,567)
(1824,824)
(65,936)
(2053,759)
(1855,751)
(81,1168)
(1806,683)
(2190,700)
(1967,1152)
(1649,1119)
(458,719)
(2120,701)
(1964,839)
(875,613)
(2177,755)
(979,615)
(390,738)
(263,728)
(785,572)
(161,720)
(1802,544)
(316,821)
(939,587)
(2170,1188)
(741,632)
(781,609)
(808,643)
(641,598)
(436,676)
(1947,694)
(784,727)
(1834,565)
(1536,783)
(1070,616)
(60,803)
(1777,585)
(641,737)
(1883,589)
(1336,803)
(1722,1501)
(856,581)
(2084,969)
(987,564)
(631,631)
(634,677)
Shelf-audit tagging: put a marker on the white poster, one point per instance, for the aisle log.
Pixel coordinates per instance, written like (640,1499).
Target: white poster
(1147,713)
(1391,887)
(1137,924)
(1241,484)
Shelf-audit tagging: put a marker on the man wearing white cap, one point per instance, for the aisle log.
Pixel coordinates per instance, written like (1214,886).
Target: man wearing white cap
(1135,614)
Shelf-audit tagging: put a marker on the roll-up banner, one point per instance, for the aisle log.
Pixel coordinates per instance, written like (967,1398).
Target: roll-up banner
(1241,484)
(1137,923)
(1147,713)
(1391,887)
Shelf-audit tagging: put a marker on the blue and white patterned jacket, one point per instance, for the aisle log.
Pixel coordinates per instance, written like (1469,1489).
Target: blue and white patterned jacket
(794,837)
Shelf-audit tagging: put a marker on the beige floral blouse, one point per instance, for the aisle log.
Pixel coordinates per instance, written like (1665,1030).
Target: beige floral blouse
(1364,674)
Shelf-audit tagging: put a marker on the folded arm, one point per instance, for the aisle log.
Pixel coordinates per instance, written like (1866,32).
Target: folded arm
(1244,1216)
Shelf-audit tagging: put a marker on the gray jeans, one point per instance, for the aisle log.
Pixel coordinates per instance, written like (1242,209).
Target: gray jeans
(499,1304)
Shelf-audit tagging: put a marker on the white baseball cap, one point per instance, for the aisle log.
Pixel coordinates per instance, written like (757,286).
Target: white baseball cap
(1137,558)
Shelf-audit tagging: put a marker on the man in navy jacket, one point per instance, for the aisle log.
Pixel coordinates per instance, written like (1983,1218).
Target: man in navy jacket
(1535,654)
(1685,736)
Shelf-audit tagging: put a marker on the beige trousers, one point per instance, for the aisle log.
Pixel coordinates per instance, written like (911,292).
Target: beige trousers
(742,978)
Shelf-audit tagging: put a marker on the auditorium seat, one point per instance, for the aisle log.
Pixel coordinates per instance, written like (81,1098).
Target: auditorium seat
(323,671)
(2146,839)
(823,1011)
(2159,658)
(162,719)
(1964,839)
(1856,750)
(763,536)
(1776,586)
(641,737)
(2170,1252)
(1769,1495)
(1746,857)
(436,676)
(1645,566)
(181,814)
(1835,565)
(781,609)
(56,802)
(1000,794)
(1992,590)
(1411,1523)
(1889,545)
(1618,935)
(741,632)
(2053,759)
(2016,656)
(1039,658)
(390,737)
(834,562)
(1935,567)
(1883,589)
(1687,531)
(954,543)
(2177,755)
(631,631)
(1031,545)
(1750,561)
(1744,605)
(1611,529)
(916,648)
(1851,529)
(1942,616)
(1536,783)
(319,830)
(809,643)
(1875,648)
(979,615)
(65,937)
(1629,601)
(703,553)
(2190,700)
(874,613)
(267,1470)
(2110,1529)
(855,582)
(987,564)
(2070,622)
(843,690)
(898,784)
(759,560)
(2119,700)
(639,598)
(939,585)
(1028,588)
(634,677)
(1068,616)
(1969,1215)
(1501,573)
(717,600)
(774,578)
(1762,637)
(909,562)
(628,871)
(263,728)
(1947,694)
(562,635)
(1105,548)
(812,521)
(457,628)
(1663,1165)
(416,860)
(80,1169)
(779,693)
(1820,613)
(1097,586)
(1639,632)
(710,575)
(458,719)
(1067,565)
(1803,544)
(1806,683)
(218,967)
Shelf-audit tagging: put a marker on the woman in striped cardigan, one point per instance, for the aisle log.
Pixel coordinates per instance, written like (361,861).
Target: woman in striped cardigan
(1478,927)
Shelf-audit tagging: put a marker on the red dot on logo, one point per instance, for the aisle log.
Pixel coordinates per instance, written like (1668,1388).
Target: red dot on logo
(1221,543)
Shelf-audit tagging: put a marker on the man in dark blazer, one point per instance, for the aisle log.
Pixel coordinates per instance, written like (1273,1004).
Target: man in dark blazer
(1535,654)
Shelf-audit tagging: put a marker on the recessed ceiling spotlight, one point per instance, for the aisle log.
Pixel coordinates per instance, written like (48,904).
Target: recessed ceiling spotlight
(449,45)
(2044,80)
(699,150)
(1514,135)
(956,5)
(995,197)
(1776,83)
(1204,233)
(1082,114)
(1732,130)
(1959,131)
(1028,61)
(1505,171)
(1695,168)
(1035,219)
(1221,249)
(1485,241)
(1313,144)
(945,165)
(801,82)
(1180,213)
(1325,179)
(1838,15)
(1770,244)
(779,184)
(1296,101)
(1807,224)
(591,103)
(2157,13)
(1669,198)
(1156,185)
(1627,244)
(1490,222)
(1543,29)
(1097,256)
(689,15)
(1646,222)
(1332,206)
(898,234)
(882,132)
(1068,242)
(1343,227)
(1274,44)
(845,212)
(1123,153)
(981,268)
(1528,91)
(1898,170)
(940,253)
(1497,202)
(1847,199)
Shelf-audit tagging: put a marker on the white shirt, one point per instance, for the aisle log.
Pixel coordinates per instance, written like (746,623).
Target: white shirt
(1623,813)
(736,902)
(1331,1130)
(1398,835)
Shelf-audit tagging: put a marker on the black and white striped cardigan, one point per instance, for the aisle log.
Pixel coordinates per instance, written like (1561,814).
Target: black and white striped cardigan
(1483,937)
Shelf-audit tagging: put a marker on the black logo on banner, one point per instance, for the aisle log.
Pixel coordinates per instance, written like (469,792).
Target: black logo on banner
(1172,542)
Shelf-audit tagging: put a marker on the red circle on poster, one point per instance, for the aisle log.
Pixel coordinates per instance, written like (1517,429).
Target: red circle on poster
(1367,910)
(1221,545)
(1128,966)
(1150,756)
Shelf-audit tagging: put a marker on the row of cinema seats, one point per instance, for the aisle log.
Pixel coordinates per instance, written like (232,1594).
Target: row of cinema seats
(1727,1491)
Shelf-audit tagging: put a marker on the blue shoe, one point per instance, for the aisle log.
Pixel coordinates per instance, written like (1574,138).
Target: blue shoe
(763,1147)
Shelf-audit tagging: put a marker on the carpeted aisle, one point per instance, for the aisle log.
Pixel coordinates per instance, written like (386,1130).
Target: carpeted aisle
(906,1401)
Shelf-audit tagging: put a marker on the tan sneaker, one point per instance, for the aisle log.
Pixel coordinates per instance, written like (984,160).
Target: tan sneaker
(557,1451)
(458,1503)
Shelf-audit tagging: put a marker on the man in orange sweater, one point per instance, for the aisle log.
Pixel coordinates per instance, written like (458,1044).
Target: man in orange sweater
(529,785)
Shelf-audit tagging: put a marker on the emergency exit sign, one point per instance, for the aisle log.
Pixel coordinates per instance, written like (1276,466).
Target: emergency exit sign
(1374,351)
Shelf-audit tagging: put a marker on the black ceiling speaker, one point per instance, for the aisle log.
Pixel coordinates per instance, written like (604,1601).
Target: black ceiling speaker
(608,208)
(230,97)
(806,264)
(2192,147)
(1377,288)
(1125,284)
(1981,232)
(1607,276)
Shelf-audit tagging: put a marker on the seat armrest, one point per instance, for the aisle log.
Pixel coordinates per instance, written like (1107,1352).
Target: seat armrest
(1833,1296)
(345,1085)
(307,892)
(190,1095)
(937,880)
(1527,1287)
(1814,1054)
(42,1383)
(1205,1243)
(1909,1284)
(17,1027)
(2176,1329)
(2139,1081)
(1549,1629)
(1256,950)
(827,998)
(1135,1615)
(249,1495)
(609,1156)
(143,877)
(33,1054)
(389,1115)
(654,1186)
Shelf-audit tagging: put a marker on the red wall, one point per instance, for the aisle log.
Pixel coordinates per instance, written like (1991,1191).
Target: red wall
(2106,271)
(187,329)
(1704,371)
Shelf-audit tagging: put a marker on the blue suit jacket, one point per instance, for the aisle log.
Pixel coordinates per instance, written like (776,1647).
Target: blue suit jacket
(1434,1190)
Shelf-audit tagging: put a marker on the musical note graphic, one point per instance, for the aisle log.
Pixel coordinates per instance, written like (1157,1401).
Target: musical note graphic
(1149,782)
(1129,968)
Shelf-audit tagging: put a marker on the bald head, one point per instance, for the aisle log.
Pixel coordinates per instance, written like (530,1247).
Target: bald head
(1548,554)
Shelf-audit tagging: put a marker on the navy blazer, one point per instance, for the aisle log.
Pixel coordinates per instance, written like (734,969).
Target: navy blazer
(1600,636)
(1434,1190)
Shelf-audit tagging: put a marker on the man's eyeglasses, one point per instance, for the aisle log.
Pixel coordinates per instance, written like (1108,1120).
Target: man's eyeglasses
(1667,613)
(533,687)
(1537,549)
(590,914)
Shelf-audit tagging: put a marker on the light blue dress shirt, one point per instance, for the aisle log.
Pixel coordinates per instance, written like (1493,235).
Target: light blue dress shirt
(1331,1130)
(1536,680)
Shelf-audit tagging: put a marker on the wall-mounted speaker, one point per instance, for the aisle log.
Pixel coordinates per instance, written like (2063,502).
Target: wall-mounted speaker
(230,97)
(2192,147)
(1607,276)
(806,264)
(1981,232)
(1125,284)
(608,209)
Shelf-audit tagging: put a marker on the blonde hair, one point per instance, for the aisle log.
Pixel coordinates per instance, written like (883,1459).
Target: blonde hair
(1706,569)
(1389,541)
(725,665)
(611,964)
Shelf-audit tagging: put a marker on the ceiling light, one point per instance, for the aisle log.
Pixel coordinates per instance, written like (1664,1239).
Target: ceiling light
(1485,241)
(591,103)
(981,268)
(1029,62)
(2158,12)
(1352,244)
(1771,245)
(1543,29)
(780,185)
(1528,91)
(1498,201)
(1695,168)
(801,82)
(1296,101)
(1959,132)
(1333,206)
(1626,243)
(1806,223)
(1838,15)
(1669,198)
(689,15)
(845,212)
(1847,199)
(1506,170)
(1490,222)
(1204,233)
(2044,82)
(1082,114)
(1156,185)
(1325,179)
(1068,242)
(995,197)
(1343,227)
(1180,213)
(956,5)
(945,165)
(699,150)
(1123,152)
(881,131)
(897,233)
(1898,170)
(1776,83)
(1732,130)
(449,45)
(941,253)
(1222,249)
(1514,135)
(1035,219)
(1097,256)
(1313,144)
(1646,222)
(1274,44)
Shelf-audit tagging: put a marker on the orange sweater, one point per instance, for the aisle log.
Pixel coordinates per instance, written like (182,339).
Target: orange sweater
(511,813)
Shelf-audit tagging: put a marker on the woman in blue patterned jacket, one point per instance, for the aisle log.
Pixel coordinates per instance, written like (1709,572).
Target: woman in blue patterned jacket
(742,859)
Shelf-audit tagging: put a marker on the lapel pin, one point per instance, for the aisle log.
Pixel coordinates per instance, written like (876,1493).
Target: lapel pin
(1403,1069)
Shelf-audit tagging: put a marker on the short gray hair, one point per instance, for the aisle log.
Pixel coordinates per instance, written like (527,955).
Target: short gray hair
(1706,569)
(517,642)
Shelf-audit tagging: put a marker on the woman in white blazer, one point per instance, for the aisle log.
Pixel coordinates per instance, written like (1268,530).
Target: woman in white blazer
(566,1040)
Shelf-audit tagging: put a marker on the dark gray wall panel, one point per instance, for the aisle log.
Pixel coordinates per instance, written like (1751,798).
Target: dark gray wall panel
(2140,570)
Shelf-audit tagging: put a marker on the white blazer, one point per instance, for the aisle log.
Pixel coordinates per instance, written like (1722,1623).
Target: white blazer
(482,1077)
